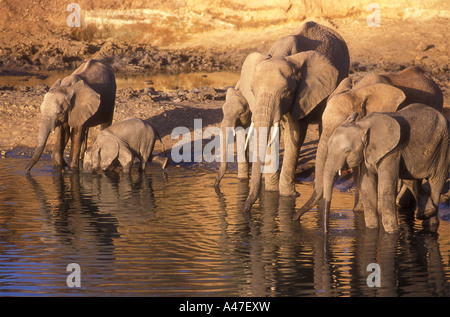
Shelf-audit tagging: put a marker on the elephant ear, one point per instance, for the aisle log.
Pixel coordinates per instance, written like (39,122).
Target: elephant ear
(377,98)
(109,149)
(317,80)
(85,103)
(235,102)
(344,86)
(381,134)
(55,85)
(247,73)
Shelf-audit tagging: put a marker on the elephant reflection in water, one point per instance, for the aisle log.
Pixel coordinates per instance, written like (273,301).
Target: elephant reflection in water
(74,217)
(280,254)
(128,197)
(91,208)
(252,239)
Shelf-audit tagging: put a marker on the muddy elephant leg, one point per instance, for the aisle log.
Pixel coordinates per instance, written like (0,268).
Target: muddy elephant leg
(295,134)
(62,137)
(77,137)
(369,197)
(387,193)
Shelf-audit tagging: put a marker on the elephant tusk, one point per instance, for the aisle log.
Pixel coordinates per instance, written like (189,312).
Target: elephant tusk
(340,172)
(274,133)
(250,132)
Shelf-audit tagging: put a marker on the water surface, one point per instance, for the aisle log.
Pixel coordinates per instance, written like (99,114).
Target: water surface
(168,233)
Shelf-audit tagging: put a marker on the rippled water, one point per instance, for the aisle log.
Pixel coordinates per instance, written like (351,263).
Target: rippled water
(170,234)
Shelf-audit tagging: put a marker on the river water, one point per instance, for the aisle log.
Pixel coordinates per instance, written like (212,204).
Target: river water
(169,233)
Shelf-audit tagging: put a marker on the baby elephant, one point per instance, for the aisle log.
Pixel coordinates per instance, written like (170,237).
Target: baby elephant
(121,143)
(410,144)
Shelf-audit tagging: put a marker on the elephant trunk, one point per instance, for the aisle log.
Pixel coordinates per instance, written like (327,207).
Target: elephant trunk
(332,167)
(225,138)
(262,120)
(317,194)
(44,131)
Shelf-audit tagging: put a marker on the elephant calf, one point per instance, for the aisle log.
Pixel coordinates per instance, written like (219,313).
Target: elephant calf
(410,144)
(121,143)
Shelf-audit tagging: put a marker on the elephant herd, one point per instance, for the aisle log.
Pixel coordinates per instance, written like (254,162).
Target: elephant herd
(388,128)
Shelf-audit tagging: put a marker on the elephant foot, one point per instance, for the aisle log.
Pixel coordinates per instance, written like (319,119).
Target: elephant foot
(60,164)
(74,168)
(271,189)
(371,221)
(390,226)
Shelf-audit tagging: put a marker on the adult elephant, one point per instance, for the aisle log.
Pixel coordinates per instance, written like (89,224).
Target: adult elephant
(294,88)
(236,113)
(374,93)
(82,100)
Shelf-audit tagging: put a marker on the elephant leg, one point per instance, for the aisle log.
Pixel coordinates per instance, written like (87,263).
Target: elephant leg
(77,137)
(387,193)
(146,151)
(126,160)
(430,214)
(62,137)
(126,167)
(295,134)
(142,165)
(358,206)
(369,197)
(84,145)
(409,190)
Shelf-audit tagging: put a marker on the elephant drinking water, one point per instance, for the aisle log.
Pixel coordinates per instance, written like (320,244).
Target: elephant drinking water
(294,89)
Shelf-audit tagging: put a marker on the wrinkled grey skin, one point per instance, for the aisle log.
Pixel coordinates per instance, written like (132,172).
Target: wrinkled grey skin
(120,144)
(374,93)
(82,100)
(236,113)
(410,144)
(293,88)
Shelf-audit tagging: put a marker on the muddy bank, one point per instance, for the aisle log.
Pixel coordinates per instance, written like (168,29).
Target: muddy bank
(122,57)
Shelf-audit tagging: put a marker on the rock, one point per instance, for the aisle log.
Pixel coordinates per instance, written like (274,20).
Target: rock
(424,47)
